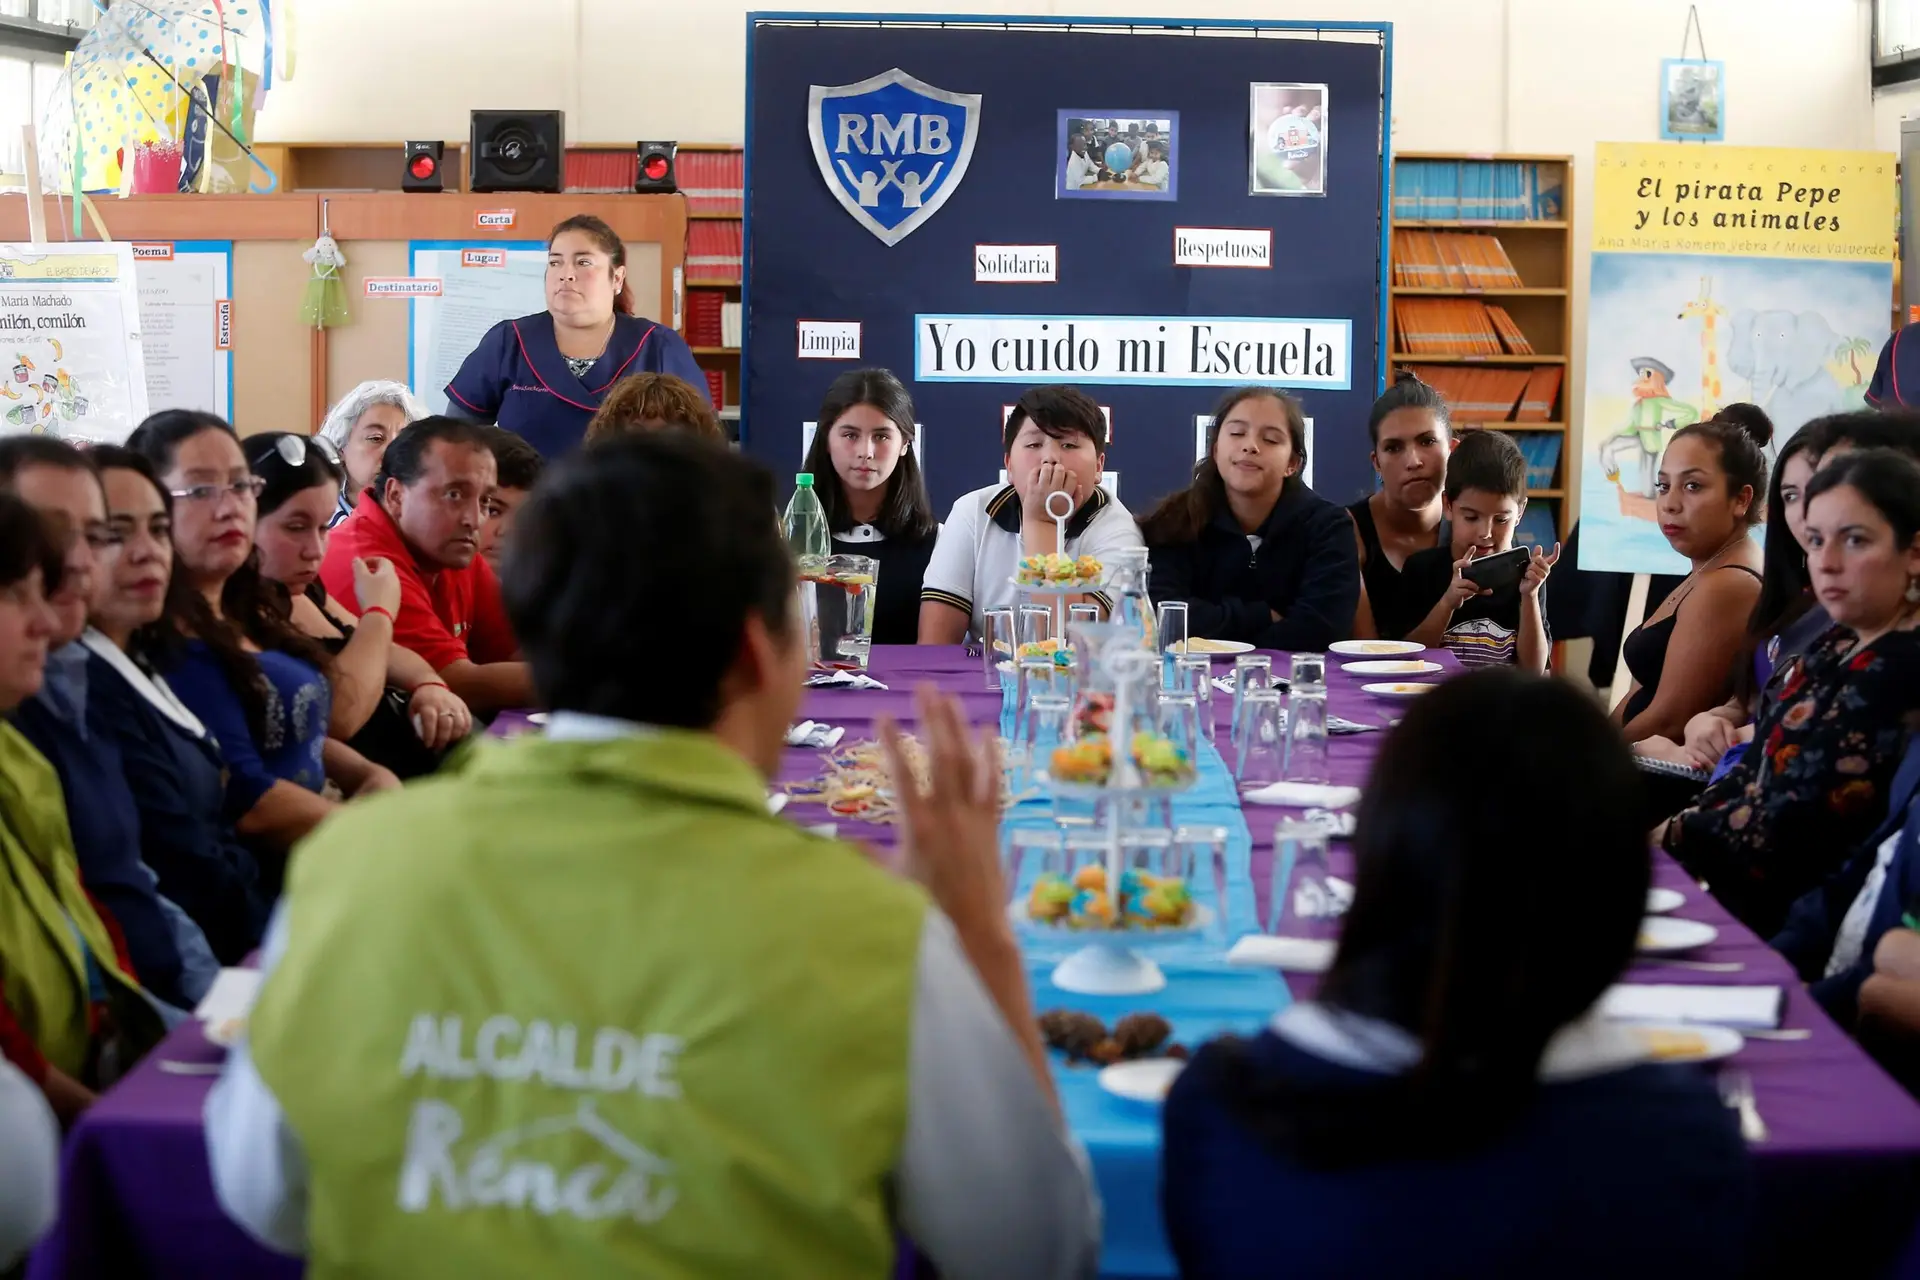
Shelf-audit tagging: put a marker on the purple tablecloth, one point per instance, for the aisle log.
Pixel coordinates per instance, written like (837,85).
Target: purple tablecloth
(1841,1169)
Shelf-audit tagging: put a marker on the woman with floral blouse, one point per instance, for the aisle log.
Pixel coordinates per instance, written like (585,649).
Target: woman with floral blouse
(1815,783)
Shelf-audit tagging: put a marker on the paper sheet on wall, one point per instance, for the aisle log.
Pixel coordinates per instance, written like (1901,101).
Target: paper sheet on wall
(180,293)
(473,299)
(70,355)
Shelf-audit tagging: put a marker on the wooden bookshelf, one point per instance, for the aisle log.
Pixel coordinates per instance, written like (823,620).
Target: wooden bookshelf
(1540,250)
(725,360)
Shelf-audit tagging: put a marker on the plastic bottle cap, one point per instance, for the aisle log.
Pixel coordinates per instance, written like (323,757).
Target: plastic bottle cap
(804,480)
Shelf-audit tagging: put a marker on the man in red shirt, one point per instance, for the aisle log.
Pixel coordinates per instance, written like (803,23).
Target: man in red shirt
(424,512)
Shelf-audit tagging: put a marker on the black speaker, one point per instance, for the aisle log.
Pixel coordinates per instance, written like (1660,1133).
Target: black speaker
(657,174)
(518,151)
(423,167)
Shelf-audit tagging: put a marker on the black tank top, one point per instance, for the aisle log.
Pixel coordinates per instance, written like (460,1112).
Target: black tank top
(1386,587)
(1645,651)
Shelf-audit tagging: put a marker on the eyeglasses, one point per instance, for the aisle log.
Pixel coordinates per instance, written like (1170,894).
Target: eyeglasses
(251,487)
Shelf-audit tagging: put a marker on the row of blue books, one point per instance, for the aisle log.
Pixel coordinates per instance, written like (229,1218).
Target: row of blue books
(1539,525)
(1541,449)
(1475,190)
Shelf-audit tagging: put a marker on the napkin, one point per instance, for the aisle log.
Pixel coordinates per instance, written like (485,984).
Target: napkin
(1751,1007)
(230,998)
(811,733)
(1304,795)
(1295,955)
(843,679)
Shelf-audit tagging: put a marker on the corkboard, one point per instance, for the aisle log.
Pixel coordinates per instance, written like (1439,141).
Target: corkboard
(284,375)
(374,344)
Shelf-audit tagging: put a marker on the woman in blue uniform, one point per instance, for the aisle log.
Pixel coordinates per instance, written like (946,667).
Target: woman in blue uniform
(543,376)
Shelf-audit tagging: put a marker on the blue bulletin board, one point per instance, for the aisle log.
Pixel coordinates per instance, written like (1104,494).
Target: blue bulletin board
(944,136)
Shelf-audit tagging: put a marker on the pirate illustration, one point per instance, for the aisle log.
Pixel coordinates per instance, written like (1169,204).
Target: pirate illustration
(1632,455)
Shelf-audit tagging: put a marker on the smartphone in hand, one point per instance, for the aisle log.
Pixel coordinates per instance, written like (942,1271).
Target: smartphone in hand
(1500,570)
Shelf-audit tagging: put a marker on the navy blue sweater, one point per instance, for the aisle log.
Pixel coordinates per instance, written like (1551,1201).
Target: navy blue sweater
(1307,570)
(186,832)
(105,825)
(1638,1172)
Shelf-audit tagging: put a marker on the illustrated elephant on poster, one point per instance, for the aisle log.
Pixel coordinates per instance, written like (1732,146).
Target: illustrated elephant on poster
(1789,359)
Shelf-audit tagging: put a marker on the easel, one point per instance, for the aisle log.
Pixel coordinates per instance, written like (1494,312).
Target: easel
(36,198)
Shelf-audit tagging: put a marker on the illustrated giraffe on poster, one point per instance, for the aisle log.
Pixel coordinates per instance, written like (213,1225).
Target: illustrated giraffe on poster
(1709,313)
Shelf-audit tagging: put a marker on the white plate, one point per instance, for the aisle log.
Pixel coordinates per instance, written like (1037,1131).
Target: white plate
(1291,955)
(1146,1080)
(1661,900)
(1710,1044)
(1374,648)
(1391,667)
(1200,645)
(1662,934)
(536,717)
(1397,690)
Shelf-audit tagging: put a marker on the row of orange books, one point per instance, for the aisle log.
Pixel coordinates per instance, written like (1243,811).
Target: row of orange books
(1510,336)
(1495,395)
(1456,327)
(1451,260)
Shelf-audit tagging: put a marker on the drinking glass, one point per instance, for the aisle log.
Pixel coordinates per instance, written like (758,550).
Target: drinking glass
(996,643)
(1026,853)
(1173,638)
(1307,733)
(1036,624)
(1260,753)
(1149,851)
(1046,729)
(1195,675)
(1204,850)
(836,610)
(1036,679)
(1251,672)
(1299,884)
(1178,720)
(1309,669)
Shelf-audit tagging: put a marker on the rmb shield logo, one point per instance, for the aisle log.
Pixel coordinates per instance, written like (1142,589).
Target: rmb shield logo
(892,148)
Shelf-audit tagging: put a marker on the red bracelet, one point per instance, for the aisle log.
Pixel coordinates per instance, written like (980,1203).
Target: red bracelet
(429,684)
(380,609)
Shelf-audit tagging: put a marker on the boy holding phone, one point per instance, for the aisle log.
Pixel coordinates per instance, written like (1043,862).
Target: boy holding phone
(1485,592)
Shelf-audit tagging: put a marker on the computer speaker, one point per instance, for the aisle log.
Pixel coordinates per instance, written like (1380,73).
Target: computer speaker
(518,151)
(656,173)
(423,167)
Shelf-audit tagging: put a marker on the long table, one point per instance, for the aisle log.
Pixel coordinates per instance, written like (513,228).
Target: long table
(1840,1173)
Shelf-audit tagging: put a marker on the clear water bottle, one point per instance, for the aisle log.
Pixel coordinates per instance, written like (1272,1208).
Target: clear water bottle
(806,526)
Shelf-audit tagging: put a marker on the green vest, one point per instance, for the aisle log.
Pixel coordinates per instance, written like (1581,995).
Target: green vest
(586,1008)
(45,917)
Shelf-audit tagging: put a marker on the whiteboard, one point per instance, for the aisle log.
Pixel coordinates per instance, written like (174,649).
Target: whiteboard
(444,330)
(186,292)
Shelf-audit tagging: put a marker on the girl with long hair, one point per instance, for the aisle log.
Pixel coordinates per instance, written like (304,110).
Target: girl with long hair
(1256,555)
(867,476)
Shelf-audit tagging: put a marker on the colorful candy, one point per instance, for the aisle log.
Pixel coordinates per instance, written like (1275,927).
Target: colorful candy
(1146,901)
(1058,571)
(1090,761)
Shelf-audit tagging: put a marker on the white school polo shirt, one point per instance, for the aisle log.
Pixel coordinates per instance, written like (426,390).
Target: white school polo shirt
(979,549)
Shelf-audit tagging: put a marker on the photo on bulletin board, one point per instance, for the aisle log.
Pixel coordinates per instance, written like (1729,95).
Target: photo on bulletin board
(1118,155)
(1693,100)
(1287,126)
